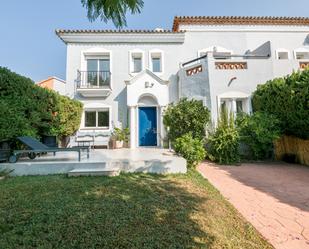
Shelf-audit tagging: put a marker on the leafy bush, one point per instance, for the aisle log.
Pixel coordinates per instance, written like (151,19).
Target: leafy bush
(27,109)
(192,149)
(186,116)
(66,120)
(224,142)
(258,132)
(288,99)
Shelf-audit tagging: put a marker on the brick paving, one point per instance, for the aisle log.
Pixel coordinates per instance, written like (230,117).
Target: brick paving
(273,197)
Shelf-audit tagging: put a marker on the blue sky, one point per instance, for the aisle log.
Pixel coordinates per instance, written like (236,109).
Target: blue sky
(29,46)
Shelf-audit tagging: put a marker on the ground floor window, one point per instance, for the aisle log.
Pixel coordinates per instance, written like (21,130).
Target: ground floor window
(235,105)
(223,105)
(97,119)
(239,106)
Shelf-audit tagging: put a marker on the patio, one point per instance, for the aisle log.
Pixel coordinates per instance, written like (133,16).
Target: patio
(273,197)
(147,160)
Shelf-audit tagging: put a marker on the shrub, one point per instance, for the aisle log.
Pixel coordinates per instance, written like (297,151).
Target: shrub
(258,132)
(224,142)
(192,149)
(27,109)
(66,120)
(287,99)
(186,116)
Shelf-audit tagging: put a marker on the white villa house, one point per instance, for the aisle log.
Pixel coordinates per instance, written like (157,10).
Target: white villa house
(126,78)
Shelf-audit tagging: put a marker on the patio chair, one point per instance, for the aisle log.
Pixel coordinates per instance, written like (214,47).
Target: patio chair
(36,147)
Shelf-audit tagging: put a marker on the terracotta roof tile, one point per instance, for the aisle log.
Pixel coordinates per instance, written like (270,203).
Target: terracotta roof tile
(107,31)
(238,20)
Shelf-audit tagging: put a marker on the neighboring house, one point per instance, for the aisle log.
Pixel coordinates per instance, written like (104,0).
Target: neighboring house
(127,77)
(53,83)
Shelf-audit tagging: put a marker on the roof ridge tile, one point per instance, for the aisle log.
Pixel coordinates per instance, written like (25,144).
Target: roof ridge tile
(240,20)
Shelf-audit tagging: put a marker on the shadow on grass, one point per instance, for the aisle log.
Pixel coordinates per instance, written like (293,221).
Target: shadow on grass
(129,211)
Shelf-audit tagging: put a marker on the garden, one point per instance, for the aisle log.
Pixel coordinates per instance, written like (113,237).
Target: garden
(128,211)
(280,116)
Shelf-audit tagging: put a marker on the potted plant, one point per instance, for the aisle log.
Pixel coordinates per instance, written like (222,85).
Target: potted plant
(120,136)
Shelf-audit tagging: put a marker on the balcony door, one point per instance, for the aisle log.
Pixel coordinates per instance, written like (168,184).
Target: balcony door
(98,72)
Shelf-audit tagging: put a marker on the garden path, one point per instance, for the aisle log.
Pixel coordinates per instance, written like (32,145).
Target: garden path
(273,197)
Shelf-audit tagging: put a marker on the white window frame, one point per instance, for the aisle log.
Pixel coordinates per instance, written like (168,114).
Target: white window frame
(233,96)
(83,127)
(282,50)
(131,62)
(97,53)
(150,55)
(98,66)
(301,50)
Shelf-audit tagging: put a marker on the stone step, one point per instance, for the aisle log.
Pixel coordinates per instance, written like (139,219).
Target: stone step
(94,172)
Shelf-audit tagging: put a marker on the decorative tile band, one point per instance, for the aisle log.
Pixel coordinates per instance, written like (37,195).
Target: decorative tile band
(194,70)
(303,65)
(231,65)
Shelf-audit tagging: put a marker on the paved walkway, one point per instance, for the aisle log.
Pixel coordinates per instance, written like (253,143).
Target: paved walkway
(274,198)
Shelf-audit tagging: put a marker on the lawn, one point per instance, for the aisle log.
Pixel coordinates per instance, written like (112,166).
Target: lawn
(129,211)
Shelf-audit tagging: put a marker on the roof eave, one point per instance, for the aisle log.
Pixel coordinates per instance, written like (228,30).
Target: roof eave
(105,36)
(238,20)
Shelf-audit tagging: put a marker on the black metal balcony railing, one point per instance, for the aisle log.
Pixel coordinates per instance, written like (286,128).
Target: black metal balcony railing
(93,79)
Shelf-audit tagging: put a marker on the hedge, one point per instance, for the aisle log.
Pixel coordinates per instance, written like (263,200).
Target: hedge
(288,99)
(27,109)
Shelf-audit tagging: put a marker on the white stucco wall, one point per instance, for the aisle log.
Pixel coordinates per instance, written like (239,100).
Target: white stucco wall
(205,86)
(239,39)
(120,72)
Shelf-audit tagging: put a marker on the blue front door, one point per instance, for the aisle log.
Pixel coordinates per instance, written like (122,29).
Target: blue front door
(147,128)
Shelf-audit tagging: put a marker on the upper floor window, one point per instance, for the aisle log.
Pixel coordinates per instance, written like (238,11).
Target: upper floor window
(136,61)
(95,68)
(301,54)
(218,52)
(156,61)
(282,54)
(156,64)
(98,71)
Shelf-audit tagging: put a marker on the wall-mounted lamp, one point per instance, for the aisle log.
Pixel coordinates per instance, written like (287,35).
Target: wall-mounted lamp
(148,84)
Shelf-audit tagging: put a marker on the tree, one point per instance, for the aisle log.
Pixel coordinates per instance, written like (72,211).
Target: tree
(29,110)
(114,10)
(186,116)
(288,99)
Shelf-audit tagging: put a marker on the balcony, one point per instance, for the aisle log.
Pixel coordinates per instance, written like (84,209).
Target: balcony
(93,83)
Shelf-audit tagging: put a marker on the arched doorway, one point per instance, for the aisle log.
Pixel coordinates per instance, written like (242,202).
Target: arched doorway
(147,96)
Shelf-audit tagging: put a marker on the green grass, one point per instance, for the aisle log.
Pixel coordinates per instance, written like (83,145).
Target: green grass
(129,211)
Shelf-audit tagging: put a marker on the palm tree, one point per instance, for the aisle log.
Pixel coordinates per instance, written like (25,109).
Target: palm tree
(114,10)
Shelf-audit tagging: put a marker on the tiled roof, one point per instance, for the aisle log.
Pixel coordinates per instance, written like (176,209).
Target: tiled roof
(107,31)
(50,78)
(238,20)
